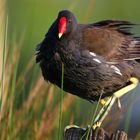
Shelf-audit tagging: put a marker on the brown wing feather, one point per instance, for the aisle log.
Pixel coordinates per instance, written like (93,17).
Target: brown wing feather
(112,40)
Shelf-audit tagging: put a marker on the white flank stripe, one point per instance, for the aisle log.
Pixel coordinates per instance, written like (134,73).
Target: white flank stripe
(97,60)
(93,54)
(116,69)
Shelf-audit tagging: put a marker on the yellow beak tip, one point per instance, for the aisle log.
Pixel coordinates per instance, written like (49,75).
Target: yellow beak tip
(60,35)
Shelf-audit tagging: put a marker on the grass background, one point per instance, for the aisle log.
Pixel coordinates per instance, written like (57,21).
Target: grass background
(29,107)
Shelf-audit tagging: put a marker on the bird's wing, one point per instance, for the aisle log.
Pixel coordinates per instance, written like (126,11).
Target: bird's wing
(112,40)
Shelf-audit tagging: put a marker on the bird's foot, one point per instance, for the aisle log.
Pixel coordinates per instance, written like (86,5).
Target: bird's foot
(102,102)
(95,125)
(109,103)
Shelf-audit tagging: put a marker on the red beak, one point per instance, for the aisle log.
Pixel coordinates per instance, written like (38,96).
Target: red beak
(62,26)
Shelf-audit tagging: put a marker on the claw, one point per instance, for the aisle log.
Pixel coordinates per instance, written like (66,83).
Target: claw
(111,100)
(102,102)
(95,125)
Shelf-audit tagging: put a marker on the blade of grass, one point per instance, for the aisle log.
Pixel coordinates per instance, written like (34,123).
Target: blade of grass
(89,10)
(3,68)
(3,64)
(61,103)
(10,121)
(94,115)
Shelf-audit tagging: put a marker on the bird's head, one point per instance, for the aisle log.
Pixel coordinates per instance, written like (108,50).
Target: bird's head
(66,23)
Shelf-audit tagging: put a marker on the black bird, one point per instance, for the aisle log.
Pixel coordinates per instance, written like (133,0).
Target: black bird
(98,58)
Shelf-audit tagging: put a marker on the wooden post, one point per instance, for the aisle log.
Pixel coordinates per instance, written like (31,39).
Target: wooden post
(77,133)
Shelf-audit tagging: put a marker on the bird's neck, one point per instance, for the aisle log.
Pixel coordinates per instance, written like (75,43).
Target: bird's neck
(53,30)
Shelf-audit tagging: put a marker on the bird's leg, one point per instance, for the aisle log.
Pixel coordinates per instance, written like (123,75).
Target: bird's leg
(109,103)
(103,102)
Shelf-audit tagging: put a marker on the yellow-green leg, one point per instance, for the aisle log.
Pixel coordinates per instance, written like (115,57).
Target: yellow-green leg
(109,103)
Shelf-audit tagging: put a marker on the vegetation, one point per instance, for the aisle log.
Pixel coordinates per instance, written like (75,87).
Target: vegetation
(30,107)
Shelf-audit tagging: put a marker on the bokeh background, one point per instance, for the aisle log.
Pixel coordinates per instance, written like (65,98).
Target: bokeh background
(30,107)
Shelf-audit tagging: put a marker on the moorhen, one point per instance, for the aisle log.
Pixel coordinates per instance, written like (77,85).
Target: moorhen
(98,58)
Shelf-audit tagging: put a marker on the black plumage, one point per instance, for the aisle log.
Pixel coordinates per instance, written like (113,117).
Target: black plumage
(98,58)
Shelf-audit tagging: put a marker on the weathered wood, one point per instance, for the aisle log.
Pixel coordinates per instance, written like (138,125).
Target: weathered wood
(77,133)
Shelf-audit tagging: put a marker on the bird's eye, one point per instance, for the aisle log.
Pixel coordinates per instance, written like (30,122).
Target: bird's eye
(69,21)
